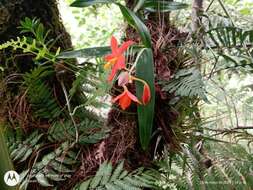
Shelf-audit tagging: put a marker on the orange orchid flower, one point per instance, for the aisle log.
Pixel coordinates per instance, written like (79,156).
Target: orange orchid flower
(116,59)
(125,98)
(146,96)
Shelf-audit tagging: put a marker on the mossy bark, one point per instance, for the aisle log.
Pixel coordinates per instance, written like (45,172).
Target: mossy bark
(11,13)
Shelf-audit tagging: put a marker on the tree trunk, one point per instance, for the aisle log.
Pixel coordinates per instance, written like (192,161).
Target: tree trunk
(16,62)
(11,13)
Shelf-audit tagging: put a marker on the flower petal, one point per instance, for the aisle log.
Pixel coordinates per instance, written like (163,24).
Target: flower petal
(124,101)
(124,46)
(112,74)
(120,62)
(109,57)
(118,97)
(132,97)
(146,94)
(123,78)
(118,66)
(108,65)
(114,45)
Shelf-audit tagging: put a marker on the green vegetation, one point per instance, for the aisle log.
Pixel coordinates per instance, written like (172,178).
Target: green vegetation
(181,89)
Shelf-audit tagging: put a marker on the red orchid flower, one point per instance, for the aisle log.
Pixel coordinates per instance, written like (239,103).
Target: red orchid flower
(125,98)
(116,59)
(146,96)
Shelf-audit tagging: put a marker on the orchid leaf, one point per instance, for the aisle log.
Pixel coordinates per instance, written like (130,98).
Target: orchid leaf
(6,164)
(145,71)
(86,3)
(164,6)
(86,53)
(136,23)
(92,52)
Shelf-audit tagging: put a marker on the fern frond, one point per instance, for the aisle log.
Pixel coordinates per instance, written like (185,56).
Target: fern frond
(230,37)
(187,82)
(40,95)
(53,167)
(229,168)
(90,132)
(109,179)
(21,150)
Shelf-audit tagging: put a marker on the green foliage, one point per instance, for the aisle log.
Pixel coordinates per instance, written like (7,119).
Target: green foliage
(117,179)
(40,95)
(86,3)
(6,164)
(27,46)
(229,165)
(93,52)
(233,44)
(163,6)
(55,166)
(230,37)
(187,83)
(134,21)
(21,149)
(130,17)
(90,132)
(145,71)
(38,46)
(35,27)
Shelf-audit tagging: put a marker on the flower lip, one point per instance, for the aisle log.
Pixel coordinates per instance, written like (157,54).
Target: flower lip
(123,78)
(125,99)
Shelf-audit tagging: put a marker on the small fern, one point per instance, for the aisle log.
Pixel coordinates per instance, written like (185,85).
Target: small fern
(39,94)
(117,179)
(230,37)
(21,150)
(228,165)
(55,166)
(187,82)
(90,132)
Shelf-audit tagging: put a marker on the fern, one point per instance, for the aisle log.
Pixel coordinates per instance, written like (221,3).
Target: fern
(187,82)
(220,167)
(20,150)
(39,94)
(230,37)
(117,179)
(55,166)
(233,44)
(90,132)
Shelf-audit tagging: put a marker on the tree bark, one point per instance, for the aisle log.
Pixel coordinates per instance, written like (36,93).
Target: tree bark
(11,13)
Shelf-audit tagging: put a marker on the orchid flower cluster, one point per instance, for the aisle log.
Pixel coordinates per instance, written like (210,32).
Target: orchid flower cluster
(116,62)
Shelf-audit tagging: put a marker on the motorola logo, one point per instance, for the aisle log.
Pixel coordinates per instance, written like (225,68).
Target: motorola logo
(11,178)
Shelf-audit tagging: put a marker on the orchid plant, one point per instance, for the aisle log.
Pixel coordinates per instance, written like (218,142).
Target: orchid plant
(116,62)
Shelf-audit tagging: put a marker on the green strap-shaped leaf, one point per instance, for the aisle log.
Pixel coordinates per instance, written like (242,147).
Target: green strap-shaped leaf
(136,23)
(86,53)
(86,3)
(145,71)
(5,160)
(164,6)
(92,52)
